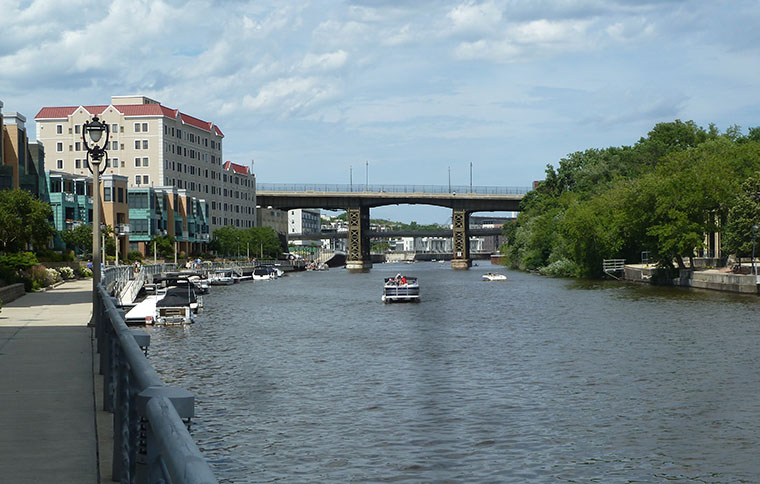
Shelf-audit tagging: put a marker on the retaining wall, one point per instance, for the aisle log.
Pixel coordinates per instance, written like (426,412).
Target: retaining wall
(11,292)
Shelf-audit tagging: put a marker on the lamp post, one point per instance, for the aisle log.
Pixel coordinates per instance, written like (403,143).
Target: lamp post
(93,131)
(754,237)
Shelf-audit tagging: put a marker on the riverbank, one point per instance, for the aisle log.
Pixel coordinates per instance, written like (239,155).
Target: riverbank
(721,279)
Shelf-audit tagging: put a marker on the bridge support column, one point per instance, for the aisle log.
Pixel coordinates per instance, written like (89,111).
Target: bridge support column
(358,259)
(461,237)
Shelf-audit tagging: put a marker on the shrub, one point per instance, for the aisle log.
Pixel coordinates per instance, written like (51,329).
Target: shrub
(38,276)
(66,272)
(85,272)
(560,268)
(18,260)
(134,255)
(53,276)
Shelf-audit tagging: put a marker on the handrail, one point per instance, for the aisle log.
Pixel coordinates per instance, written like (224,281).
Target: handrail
(358,188)
(151,444)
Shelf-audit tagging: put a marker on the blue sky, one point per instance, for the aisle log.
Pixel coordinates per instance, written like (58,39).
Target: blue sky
(308,90)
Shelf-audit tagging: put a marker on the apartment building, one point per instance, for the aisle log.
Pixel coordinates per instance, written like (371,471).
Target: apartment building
(21,161)
(154,146)
(304,221)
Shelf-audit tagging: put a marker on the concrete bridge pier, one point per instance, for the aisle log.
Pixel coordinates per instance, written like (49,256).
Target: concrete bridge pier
(461,239)
(358,258)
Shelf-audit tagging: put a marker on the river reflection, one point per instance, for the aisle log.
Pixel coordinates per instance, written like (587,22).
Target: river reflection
(311,378)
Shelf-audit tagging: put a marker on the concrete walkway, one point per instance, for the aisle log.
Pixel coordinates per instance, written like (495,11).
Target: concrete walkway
(47,396)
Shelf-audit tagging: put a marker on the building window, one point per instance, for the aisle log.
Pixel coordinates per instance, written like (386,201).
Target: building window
(59,147)
(145,127)
(114,128)
(59,163)
(146,180)
(77,146)
(59,129)
(137,162)
(137,127)
(145,144)
(137,144)
(120,193)
(76,128)
(145,162)
(77,163)
(115,163)
(106,194)
(114,145)
(123,163)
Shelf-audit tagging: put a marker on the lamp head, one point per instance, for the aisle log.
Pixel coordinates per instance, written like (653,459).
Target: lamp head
(95,129)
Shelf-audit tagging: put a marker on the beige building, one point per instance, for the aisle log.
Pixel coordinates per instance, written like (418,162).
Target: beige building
(154,146)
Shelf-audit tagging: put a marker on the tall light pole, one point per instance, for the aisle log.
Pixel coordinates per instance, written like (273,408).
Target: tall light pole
(754,237)
(470,177)
(366,176)
(93,131)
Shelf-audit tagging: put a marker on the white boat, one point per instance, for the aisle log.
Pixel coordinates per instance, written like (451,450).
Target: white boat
(144,312)
(178,306)
(221,278)
(398,289)
(262,274)
(494,276)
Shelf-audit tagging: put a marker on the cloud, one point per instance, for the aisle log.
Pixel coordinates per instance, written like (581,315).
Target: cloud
(324,62)
(475,18)
(287,96)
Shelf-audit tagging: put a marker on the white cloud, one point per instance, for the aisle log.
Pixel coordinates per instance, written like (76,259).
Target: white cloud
(324,62)
(475,18)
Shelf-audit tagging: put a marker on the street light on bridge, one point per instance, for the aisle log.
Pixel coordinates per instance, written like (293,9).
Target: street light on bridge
(93,131)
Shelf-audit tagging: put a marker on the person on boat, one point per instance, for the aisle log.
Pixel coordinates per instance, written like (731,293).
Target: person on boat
(397,279)
(403,280)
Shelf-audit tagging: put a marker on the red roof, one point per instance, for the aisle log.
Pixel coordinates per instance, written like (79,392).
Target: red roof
(240,169)
(131,110)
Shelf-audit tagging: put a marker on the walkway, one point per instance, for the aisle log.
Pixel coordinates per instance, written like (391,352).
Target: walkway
(47,402)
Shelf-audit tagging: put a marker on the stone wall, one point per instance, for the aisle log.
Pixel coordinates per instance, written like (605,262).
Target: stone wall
(11,292)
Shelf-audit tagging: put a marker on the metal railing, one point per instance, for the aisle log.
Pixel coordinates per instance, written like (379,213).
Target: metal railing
(430,189)
(151,440)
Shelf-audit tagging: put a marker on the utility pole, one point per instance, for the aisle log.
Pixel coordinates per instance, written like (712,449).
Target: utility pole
(366,176)
(470,177)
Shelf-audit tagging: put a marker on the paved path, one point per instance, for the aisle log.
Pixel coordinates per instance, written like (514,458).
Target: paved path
(47,404)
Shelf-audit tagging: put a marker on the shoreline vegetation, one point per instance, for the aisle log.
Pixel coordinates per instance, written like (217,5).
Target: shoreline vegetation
(664,195)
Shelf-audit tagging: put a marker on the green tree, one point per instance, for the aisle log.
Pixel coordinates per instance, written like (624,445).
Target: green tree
(739,235)
(79,238)
(24,221)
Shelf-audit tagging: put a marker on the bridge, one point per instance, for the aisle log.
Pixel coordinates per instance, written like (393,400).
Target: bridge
(356,200)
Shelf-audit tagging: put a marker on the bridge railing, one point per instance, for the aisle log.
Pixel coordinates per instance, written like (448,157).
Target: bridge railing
(427,189)
(151,440)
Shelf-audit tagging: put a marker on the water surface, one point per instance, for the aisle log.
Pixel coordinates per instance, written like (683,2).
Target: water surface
(311,378)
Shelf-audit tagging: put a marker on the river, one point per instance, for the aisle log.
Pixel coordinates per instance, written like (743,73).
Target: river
(310,378)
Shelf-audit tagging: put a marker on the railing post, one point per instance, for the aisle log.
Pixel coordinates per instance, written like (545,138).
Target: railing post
(151,467)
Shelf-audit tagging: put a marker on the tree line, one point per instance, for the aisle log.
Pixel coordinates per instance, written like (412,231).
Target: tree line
(662,196)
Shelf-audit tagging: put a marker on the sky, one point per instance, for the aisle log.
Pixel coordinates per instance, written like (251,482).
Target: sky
(397,92)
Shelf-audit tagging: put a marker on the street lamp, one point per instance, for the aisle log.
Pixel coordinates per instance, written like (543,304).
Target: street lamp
(754,237)
(93,131)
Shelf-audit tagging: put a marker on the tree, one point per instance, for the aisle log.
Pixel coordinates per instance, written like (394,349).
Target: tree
(79,238)
(738,235)
(24,220)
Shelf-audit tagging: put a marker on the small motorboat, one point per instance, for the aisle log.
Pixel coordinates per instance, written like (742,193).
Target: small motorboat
(221,278)
(401,289)
(494,276)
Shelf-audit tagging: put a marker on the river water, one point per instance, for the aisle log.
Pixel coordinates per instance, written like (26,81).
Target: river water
(310,378)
